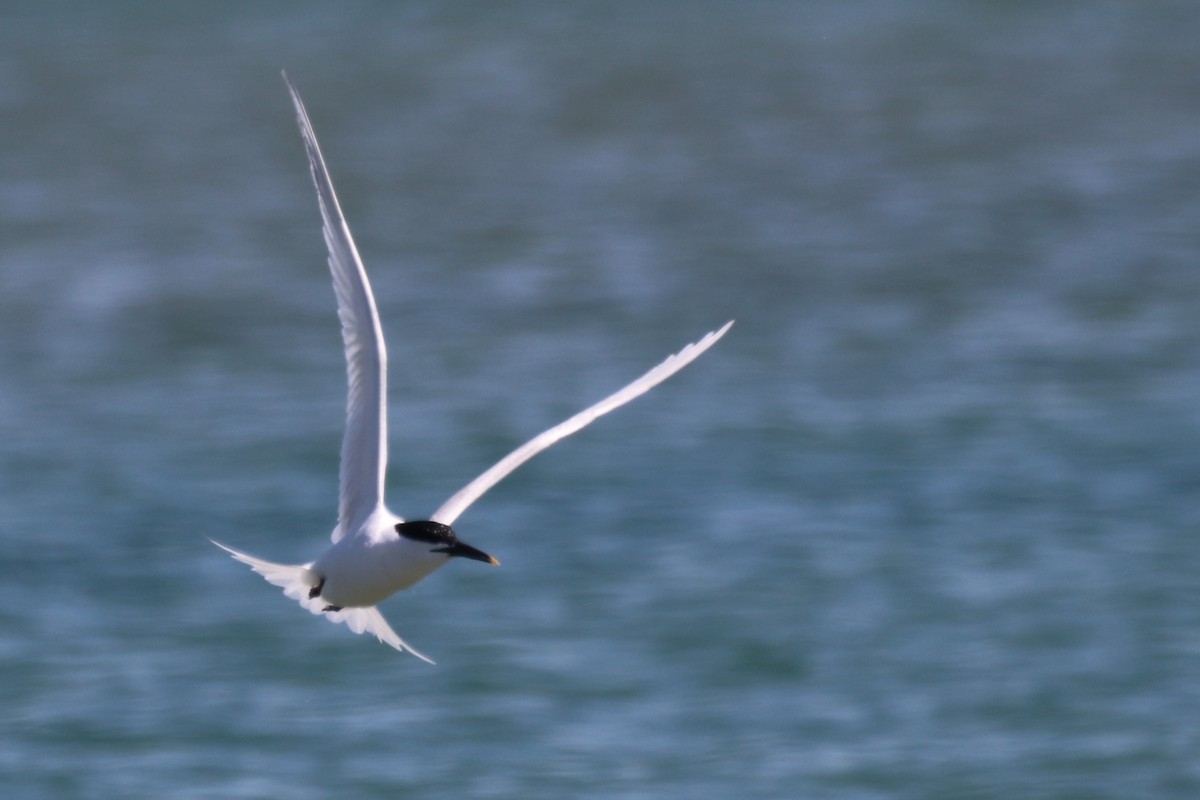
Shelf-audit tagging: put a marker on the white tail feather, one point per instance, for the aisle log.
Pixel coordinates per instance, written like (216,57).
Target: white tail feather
(297,580)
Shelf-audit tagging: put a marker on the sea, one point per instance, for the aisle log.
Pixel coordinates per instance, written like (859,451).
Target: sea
(924,525)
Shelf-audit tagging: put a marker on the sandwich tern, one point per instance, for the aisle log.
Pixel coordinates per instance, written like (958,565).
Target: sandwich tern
(374,552)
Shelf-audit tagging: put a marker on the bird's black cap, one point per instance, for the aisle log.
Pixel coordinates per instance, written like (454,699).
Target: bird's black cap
(443,535)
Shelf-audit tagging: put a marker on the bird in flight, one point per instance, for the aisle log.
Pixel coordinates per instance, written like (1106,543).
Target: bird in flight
(374,552)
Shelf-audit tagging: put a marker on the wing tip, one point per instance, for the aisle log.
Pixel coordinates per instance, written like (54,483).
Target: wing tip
(714,335)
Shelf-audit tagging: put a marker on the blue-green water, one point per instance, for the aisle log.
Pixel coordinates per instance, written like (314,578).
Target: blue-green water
(925,525)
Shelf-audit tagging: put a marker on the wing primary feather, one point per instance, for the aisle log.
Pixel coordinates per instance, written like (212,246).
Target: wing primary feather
(457,504)
(364,445)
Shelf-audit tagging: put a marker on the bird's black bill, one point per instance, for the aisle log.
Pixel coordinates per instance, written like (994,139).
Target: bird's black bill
(460,550)
(437,533)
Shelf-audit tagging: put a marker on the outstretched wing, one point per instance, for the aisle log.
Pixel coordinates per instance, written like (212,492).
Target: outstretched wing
(467,495)
(364,446)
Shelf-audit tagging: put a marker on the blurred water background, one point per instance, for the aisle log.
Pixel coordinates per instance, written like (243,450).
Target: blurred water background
(925,525)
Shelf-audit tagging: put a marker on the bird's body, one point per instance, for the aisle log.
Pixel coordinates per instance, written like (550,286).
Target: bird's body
(367,568)
(375,553)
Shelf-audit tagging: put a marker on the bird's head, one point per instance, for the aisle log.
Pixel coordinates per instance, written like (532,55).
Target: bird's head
(443,539)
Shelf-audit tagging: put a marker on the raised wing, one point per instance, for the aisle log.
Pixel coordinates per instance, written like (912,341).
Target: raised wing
(467,495)
(364,446)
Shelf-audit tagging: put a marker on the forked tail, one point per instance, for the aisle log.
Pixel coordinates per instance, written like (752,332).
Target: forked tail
(297,581)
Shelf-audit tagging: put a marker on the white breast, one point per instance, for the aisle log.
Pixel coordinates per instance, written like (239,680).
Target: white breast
(363,570)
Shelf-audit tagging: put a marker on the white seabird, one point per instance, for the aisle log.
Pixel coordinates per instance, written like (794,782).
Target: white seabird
(376,553)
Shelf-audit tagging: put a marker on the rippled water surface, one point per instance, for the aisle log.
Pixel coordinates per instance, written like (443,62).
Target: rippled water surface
(925,525)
